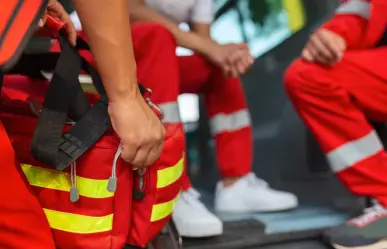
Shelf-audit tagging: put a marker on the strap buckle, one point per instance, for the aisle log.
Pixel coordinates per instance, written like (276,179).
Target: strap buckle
(147,96)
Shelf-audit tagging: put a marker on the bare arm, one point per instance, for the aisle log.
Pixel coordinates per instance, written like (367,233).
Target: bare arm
(106,24)
(139,11)
(202,29)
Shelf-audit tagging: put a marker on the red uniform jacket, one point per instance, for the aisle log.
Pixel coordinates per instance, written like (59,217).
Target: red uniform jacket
(361,23)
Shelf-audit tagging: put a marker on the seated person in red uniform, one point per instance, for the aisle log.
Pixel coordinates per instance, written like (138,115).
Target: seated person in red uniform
(213,70)
(337,86)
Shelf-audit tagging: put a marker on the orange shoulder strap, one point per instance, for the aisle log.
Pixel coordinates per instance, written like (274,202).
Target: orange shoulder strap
(18,21)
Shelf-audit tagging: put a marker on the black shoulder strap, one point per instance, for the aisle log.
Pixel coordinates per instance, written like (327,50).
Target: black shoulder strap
(48,144)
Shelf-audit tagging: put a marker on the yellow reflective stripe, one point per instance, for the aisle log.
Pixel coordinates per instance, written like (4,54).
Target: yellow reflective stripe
(296,14)
(81,224)
(170,175)
(162,210)
(58,180)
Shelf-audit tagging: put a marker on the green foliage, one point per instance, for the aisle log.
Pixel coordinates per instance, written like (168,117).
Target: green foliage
(262,10)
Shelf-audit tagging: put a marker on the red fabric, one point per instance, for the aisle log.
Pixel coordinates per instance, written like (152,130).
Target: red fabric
(20,125)
(152,45)
(22,221)
(221,96)
(351,27)
(168,76)
(142,230)
(335,103)
(358,32)
(159,69)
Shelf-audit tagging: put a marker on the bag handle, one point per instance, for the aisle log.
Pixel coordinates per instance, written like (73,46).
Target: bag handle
(48,144)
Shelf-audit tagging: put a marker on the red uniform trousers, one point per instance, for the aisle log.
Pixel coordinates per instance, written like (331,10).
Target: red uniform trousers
(336,103)
(169,75)
(23,223)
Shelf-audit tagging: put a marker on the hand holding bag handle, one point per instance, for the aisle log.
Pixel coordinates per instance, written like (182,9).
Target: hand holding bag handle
(48,144)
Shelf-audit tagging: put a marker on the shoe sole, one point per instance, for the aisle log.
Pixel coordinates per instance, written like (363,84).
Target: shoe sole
(379,245)
(193,232)
(267,209)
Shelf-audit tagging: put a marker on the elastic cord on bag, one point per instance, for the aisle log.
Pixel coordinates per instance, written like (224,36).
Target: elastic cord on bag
(112,184)
(74,192)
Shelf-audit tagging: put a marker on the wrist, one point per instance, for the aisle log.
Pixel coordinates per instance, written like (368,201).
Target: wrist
(123,92)
(206,46)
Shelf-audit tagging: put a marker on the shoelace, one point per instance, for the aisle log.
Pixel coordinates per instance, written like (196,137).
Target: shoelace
(370,214)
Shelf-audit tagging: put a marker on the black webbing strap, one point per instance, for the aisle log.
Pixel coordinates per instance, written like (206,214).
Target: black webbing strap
(48,144)
(32,64)
(64,95)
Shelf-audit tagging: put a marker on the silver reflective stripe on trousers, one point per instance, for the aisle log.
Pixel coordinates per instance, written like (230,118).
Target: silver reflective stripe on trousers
(170,111)
(230,122)
(355,151)
(357,7)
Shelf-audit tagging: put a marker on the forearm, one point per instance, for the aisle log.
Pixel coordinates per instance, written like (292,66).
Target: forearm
(184,39)
(107,27)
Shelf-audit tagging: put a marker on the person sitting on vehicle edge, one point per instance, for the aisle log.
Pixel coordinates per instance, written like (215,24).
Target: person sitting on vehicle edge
(213,71)
(338,84)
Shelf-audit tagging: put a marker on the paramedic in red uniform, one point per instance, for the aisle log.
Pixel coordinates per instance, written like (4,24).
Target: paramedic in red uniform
(106,24)
(213,71)
(338,84)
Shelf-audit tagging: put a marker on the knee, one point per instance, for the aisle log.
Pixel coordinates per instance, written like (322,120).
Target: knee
(302,76)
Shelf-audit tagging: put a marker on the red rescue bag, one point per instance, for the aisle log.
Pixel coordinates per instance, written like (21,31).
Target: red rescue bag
(80,203)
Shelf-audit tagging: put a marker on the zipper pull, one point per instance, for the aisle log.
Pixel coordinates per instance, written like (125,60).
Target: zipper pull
(138,193)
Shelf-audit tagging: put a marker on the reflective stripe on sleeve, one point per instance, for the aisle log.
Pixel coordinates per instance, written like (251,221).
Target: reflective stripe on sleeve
(358,7)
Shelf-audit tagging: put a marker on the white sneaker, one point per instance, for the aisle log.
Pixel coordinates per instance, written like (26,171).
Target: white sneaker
(251,194)
(193,219)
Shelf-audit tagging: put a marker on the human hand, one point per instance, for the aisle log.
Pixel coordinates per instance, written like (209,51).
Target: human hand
(234,58)
(325,47)
(140,130)
(239,63)
(56,10)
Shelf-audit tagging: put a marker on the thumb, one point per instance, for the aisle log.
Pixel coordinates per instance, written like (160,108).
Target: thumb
(43,19)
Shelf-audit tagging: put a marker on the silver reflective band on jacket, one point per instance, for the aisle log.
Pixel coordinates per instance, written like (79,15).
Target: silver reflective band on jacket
(356,7)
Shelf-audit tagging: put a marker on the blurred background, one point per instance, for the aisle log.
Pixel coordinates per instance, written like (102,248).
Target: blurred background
(285,153)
